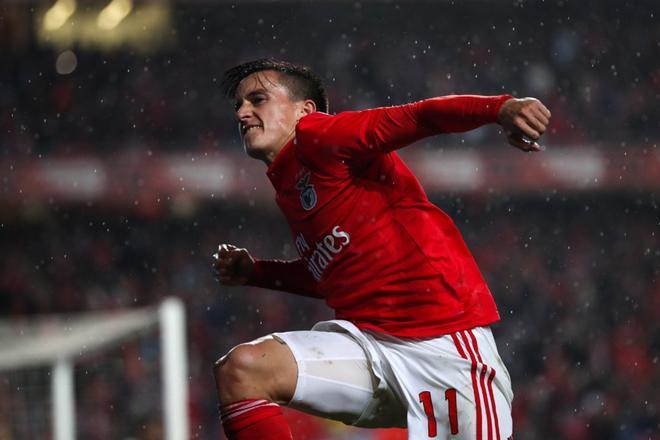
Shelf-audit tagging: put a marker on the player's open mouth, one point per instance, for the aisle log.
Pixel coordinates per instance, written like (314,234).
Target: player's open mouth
(246,129)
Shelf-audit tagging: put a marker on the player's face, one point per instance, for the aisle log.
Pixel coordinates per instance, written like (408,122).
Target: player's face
(267,116)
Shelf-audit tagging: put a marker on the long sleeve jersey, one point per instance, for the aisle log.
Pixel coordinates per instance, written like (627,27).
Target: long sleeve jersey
(370,242)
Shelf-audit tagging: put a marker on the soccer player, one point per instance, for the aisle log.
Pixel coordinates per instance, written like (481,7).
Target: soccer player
(411,344)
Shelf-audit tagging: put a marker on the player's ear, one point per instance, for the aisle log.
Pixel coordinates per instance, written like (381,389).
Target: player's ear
(308,106)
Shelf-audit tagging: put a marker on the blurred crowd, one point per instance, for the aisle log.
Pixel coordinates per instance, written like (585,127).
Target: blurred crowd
(579,300)
(595,65)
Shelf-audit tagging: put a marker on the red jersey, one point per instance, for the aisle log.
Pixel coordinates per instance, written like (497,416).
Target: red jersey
(370,242)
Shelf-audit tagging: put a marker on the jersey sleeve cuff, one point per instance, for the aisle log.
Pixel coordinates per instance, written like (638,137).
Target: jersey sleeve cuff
(257,276)
(499,100)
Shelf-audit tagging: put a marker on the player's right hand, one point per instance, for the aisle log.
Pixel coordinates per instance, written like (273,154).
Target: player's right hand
(232,266)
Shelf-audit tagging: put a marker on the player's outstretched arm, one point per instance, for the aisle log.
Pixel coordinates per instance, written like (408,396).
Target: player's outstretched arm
(363,134)
(524,121)
(235,266)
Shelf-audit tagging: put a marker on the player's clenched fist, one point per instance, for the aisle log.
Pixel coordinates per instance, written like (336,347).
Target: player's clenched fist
(232,265)
(522,120)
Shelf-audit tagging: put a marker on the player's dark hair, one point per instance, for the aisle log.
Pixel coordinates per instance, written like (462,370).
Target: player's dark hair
(300,80)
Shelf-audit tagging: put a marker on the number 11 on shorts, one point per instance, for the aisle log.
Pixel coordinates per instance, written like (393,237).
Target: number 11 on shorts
(427,403)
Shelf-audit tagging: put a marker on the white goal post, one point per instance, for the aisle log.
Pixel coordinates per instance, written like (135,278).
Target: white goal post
(58,341)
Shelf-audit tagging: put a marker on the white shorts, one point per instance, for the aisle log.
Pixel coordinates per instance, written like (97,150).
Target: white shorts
(454,386)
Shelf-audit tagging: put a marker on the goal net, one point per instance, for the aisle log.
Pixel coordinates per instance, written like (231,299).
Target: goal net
(120,374)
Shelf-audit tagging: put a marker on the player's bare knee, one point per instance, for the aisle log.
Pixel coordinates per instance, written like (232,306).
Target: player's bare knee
(235,364)
(242,369)
(261,369)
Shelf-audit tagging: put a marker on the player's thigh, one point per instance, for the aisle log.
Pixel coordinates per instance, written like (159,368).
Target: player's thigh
(486,398)
(335,380)
(458,389)
(453,413)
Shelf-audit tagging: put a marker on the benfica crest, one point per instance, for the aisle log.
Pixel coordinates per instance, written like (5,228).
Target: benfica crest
(307,192)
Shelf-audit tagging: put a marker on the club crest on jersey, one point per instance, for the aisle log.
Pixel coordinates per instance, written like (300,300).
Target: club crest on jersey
(307,192)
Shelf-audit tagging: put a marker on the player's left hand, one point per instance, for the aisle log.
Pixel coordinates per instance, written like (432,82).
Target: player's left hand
(524,121)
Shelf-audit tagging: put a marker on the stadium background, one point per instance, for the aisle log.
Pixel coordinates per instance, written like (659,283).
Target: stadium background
(122,171)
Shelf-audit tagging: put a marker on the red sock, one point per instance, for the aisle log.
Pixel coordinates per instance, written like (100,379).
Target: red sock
(254,419)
